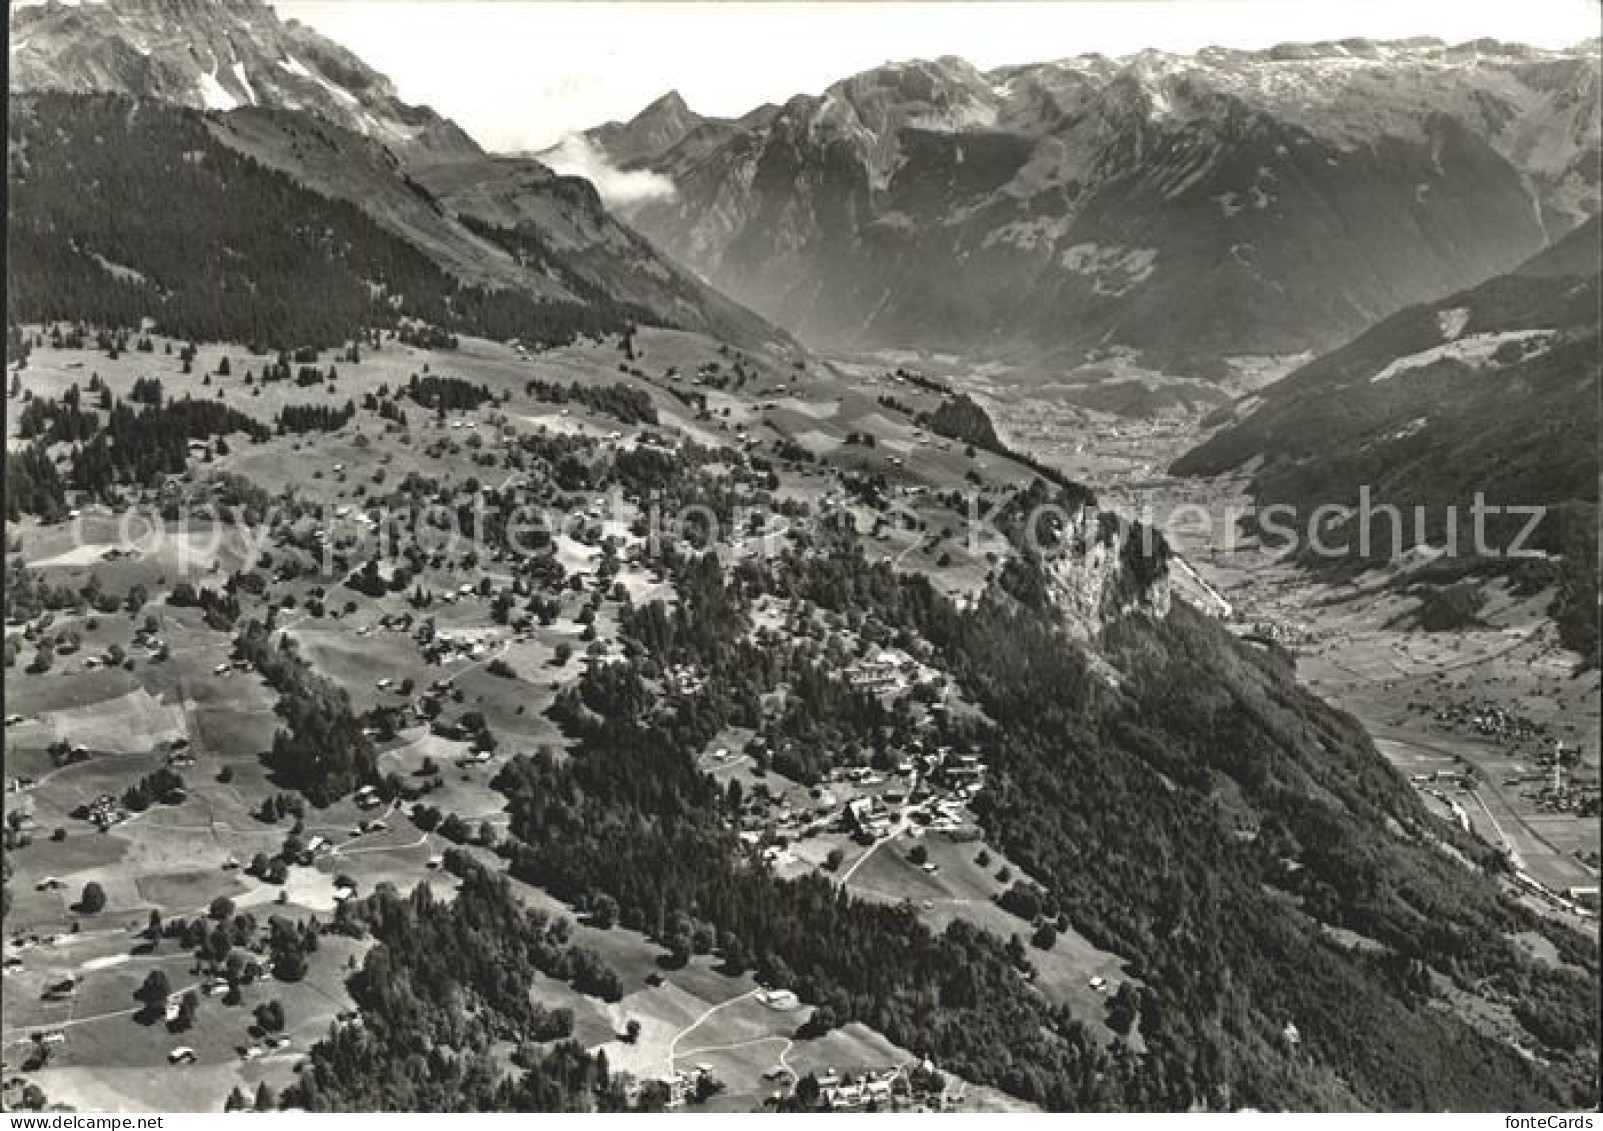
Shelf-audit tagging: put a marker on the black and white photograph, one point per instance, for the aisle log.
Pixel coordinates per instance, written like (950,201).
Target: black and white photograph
(854,556)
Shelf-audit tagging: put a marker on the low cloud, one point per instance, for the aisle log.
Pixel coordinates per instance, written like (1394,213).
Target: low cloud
(575,156)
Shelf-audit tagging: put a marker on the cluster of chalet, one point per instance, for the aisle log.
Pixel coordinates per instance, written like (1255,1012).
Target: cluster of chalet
(1582,902)
(315,847)
(149,639)
(938,787)
(683,679)
(106,811)
(885,672)
(872,1090)
(928,790)
(1492,720)
(901,1088)
(1287,634)
(882,673)
(179,754)
(275,1043)
(684,1086)
(1557,778)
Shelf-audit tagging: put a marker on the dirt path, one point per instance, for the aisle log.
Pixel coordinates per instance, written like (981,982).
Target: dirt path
(673,1045)
(783,1062)
(26,1029)
(347,850)
(903,820)
(732,1047)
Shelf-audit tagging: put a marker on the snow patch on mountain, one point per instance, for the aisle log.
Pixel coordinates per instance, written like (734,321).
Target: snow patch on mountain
(1114,269)
(1401,171)
(333,88)
(215,95)
(244,81)
(1475,350)
(1409,429)
(1053,163)
(118,271)
(1185,176)
(1027,235)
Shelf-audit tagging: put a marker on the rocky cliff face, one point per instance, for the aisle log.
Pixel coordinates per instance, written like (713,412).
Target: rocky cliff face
(1095,584)
(1090,567)
(1190,206)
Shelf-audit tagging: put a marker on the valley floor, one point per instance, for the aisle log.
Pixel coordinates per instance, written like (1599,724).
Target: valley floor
(1417,693)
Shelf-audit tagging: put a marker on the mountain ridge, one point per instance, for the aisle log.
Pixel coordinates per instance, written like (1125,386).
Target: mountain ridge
(1171,204)
(1491,393)
(299,103)
(230,54)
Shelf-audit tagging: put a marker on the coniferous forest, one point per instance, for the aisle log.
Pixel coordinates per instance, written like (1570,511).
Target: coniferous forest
(216,247)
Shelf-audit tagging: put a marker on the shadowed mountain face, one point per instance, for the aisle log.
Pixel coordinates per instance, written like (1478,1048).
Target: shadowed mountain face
(301,105)
(1228,202)
(1493,391)
(1472,361)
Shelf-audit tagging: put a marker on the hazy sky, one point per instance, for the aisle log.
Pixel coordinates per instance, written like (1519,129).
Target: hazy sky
(520,75)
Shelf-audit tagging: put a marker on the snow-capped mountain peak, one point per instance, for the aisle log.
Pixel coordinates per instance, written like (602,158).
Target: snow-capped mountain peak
(929,201)
(217,55)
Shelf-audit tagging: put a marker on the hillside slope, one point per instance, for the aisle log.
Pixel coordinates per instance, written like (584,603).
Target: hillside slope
(1186,206)
(1280,921)
(1493,391)
(296,102)
(213,244)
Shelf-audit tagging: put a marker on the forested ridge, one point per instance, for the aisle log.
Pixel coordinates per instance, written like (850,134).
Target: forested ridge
(1201,816)
(131,446)
(1397,413)
(122,209)
(1111,798)
(1119,801)
(447,983)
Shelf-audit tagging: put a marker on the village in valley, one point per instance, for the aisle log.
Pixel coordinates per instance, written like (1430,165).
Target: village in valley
(538,612)
(171,901)
(143,819)
(170,904)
